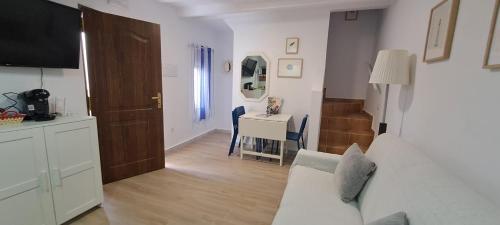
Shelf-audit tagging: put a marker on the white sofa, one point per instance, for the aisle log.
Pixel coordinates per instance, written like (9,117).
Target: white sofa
(405,180)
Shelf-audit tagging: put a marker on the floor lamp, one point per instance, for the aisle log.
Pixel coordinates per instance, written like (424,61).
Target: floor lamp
(391,67)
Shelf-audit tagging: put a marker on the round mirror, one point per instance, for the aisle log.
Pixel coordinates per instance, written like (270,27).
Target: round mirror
(254,77)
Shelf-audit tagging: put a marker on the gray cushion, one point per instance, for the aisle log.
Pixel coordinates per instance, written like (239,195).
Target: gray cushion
(394,219)
(352,173)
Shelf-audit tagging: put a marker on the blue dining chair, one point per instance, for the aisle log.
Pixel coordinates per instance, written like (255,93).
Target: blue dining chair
(237,112)
(294,136)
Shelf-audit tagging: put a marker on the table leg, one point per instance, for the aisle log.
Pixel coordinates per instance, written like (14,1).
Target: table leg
(241,147)
(282,148)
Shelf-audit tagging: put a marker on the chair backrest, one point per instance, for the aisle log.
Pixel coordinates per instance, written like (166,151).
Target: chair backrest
(303,125)
(237,112)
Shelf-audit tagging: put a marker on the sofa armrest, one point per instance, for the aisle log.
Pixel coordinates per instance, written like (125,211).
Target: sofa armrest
(317,160)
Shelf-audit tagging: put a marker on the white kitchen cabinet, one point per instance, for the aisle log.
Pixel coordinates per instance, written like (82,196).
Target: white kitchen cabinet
(49,171)
(25,196)
(74,167)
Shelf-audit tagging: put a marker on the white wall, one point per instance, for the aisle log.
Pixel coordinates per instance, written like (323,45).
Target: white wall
(176,34)
(451,108)
(267,33)
(351,48)
(223,82)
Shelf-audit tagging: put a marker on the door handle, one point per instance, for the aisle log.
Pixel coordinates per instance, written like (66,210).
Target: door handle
(158,99)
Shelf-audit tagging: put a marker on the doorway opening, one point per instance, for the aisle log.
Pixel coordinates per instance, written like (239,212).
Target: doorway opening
(352,48)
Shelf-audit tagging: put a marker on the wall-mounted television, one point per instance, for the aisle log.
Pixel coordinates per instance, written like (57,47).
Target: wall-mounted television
(39,33)
(248,67)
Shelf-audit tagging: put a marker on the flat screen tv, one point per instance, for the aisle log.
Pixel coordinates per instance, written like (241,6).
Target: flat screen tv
(39,33)
(248,67)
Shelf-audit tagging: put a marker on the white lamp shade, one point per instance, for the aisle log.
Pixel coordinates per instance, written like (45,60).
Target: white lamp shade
(391,67)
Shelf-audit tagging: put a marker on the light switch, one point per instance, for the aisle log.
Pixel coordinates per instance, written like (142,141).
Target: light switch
(171,70)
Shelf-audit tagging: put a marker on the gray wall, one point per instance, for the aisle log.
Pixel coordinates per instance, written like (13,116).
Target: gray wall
(351,48)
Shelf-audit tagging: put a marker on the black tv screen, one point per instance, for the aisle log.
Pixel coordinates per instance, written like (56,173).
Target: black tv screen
(39,33)
(248,68)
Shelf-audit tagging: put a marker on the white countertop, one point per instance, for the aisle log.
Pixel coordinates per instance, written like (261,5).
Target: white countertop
(264,116)
(34,124)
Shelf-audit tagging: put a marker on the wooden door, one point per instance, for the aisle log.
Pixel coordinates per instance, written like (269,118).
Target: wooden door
(74,168)
(124,67)
(25,194)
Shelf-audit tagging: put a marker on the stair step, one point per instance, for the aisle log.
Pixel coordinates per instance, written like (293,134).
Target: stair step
(332,107)
(343,100)
(344,123)
(346,137)
(349,132)
(354,121)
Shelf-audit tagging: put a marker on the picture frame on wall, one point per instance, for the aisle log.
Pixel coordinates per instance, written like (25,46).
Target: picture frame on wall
(492,54)
(292,45)
(290,68)
(440,32)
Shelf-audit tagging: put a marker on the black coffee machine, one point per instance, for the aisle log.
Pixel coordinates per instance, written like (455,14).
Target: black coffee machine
(36,105)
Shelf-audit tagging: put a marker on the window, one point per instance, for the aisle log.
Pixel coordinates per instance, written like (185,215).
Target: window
(202,70)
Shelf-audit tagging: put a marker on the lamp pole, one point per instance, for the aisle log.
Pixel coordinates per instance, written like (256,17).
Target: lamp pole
(382,127)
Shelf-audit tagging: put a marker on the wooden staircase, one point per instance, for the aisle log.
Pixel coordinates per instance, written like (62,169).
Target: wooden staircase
(343,123)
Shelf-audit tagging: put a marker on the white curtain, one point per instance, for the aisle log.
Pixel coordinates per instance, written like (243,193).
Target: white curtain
(202,77)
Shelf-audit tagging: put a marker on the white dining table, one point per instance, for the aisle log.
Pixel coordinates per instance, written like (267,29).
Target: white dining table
(261,125)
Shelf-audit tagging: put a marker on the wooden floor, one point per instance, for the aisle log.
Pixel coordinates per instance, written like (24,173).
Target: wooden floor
(200,185)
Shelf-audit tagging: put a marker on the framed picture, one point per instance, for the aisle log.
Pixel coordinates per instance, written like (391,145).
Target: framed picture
(492,55)
(440,31)
(291,68)
(273,105)
(292,45)
(351,15)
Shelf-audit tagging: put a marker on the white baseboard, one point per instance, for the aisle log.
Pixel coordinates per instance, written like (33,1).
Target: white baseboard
(193,139)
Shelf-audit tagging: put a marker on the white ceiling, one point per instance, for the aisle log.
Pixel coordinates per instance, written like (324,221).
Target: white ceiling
(203,8)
